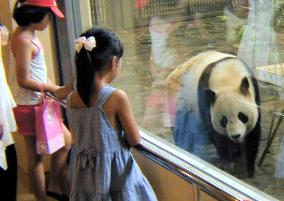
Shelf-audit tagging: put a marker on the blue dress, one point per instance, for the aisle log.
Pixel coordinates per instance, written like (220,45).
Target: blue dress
(103,168)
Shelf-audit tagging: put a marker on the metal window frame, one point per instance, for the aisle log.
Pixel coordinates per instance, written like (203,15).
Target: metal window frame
(65,32)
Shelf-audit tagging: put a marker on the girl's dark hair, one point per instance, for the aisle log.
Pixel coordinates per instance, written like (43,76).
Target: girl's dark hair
(25,15)
(88,63)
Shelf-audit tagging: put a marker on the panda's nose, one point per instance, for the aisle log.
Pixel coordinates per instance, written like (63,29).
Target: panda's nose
(235,137)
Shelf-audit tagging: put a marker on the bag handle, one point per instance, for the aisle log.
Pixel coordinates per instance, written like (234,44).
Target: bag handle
(63,103)
(44,95)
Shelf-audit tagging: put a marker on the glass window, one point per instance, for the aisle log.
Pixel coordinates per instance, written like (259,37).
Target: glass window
(207,76)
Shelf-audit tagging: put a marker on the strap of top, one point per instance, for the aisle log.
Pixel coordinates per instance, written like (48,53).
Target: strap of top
(105,93)
(68,99)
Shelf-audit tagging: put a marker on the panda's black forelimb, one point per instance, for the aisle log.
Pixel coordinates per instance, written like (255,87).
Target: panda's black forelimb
(252,144)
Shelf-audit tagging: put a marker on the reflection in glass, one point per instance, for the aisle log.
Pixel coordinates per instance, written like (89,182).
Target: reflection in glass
(160,35)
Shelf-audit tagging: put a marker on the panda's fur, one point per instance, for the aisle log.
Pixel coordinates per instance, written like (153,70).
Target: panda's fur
(224,96)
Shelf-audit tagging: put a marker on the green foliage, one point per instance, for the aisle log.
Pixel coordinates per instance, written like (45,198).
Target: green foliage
(240,31)
(279,14)
(222,18)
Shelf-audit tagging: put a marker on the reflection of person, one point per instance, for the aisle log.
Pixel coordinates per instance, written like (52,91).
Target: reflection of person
(8,157)
(258,46)
(141,3)
(30,77)
(189,132)
(101,119)
(240,7)
(236,13)
(161,63)
(159,29)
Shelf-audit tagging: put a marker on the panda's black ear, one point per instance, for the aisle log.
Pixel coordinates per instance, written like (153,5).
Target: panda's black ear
(210,96)
(244,86)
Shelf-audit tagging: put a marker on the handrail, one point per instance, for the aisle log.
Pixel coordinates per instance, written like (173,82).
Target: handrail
(210,179)
(180,167)
(183,172)
(207,177)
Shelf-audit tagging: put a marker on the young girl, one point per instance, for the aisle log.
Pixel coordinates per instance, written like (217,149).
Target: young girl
(29,78)
(104,126)
(8,157)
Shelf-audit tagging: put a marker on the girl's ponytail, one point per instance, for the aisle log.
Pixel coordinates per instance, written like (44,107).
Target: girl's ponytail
(94,49)
(85,76)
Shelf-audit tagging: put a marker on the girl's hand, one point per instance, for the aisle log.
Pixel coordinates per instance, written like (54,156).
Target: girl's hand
(4,35)
(62,92)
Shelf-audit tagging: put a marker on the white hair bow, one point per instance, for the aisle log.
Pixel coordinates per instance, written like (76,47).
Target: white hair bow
(88,43)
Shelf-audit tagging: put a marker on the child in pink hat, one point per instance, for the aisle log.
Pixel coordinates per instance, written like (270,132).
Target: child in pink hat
(28,78)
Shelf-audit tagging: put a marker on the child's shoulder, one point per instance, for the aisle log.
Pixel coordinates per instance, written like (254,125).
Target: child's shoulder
(118,99)
(20,38)
(119,95)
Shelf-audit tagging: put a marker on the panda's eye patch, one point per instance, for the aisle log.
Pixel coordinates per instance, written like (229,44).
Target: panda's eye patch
(224,122)
(243,117)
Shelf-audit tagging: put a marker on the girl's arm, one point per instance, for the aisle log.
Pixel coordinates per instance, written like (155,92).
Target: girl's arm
(63,91)
(126,118)
(23,57)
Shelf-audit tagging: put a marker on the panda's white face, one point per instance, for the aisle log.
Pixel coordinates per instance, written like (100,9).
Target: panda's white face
(233,115)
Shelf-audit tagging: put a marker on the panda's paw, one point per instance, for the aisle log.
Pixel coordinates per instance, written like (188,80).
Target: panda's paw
(250,174)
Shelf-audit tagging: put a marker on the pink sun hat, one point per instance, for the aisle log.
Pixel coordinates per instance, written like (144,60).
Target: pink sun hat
(48,4)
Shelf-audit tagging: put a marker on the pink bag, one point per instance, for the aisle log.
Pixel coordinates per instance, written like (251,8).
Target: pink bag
(49,131)
(25,118)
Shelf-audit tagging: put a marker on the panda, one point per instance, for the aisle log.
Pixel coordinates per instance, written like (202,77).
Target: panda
(217,104)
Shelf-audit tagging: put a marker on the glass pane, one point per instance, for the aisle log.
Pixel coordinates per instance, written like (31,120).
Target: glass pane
(207,76)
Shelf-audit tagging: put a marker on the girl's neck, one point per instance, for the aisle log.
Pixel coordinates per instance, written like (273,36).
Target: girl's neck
(29,30)
(99,84)
(101,80)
